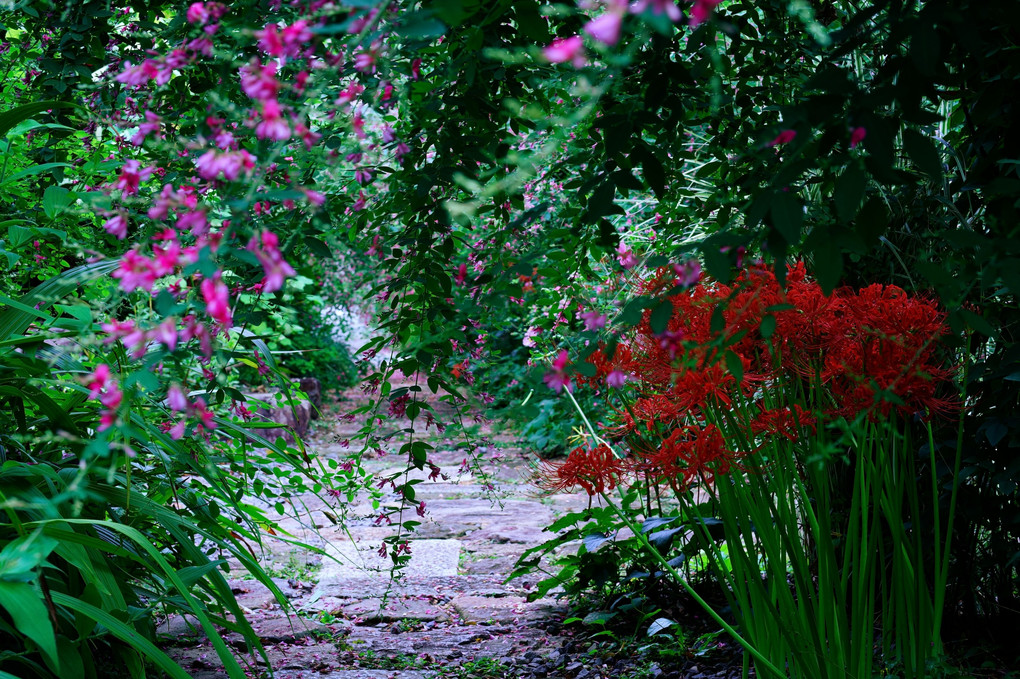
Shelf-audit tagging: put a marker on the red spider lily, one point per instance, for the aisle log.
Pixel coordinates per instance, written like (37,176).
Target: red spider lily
(596,470)
(889,348)
(689,455)
(784,421)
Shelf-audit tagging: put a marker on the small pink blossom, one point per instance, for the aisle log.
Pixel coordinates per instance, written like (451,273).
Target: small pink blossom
(176,399)
(135,271)
(360,203)
(593,320)
(269,255)
(658,7)
(166,334)
(273,125)
(616,379)
(702,11)
(688,272)
(259,82)
(626,257)
(606,28)
(352,92)
(565,49)
(197,13)
(557,379)
(671,342)
(204,415)
(364,61)
(217,301)
(784,137)
(363,176)
(314,197)
(98,380)
(151,124)
(857,135)
(211,164)
(131,175)
(140,75)
(117,226)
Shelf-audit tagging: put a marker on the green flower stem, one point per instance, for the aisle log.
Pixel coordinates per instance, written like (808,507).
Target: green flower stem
(729,629)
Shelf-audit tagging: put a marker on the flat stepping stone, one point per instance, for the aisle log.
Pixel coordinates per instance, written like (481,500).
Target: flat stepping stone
(441,588)
(355,674)
(350,561)
(370,610)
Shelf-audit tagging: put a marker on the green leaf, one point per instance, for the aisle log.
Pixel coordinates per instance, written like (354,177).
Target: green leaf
(849,192)
(661,314)
(16,321)
(19,235)
(30,616)
(55,200)
(32,171)
(787,216)
(922,151)
(768,326)
(421,26)
(735,366)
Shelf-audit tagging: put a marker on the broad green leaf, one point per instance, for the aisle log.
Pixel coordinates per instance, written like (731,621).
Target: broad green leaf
(735,366)
(420,26)
(661,314)
(658,625)
(19,235)
(30,616)
(787,216)
(828,267)
(197,609)
(55,200)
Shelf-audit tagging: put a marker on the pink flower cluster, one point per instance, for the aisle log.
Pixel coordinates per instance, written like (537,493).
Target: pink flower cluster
(103,386)
(138,271)
(269,255)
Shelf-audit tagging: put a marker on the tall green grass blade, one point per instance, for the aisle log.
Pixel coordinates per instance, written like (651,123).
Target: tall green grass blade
(233,669)
(125,633)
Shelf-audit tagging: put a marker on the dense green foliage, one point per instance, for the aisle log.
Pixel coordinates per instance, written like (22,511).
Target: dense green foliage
(480,185)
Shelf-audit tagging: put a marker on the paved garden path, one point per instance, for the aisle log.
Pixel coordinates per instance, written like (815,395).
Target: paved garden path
(449,615)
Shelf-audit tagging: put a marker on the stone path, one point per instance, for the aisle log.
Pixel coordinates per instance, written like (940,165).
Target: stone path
(449,614)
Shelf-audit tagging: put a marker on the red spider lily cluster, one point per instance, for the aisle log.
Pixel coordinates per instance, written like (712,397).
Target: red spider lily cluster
(855,353)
